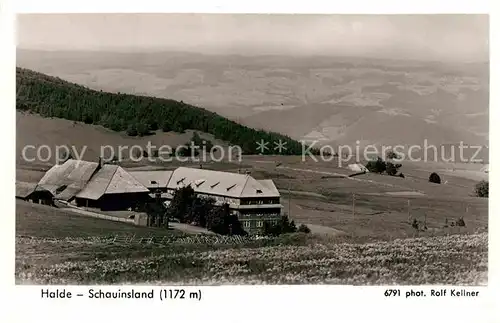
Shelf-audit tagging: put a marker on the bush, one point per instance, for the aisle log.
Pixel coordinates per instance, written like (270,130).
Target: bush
(392,169)
(132,131)
(376,166)
(391,155)
(142,129)
(284,225)
(189,208)
(482,189)
(434,178)
(401,175)
(303,228)
(165,127)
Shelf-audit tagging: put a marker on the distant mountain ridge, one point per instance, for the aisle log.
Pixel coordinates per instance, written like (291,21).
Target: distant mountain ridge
(334,100)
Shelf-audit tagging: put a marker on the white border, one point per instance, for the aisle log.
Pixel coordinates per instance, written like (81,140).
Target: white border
(257,6)
(236,304)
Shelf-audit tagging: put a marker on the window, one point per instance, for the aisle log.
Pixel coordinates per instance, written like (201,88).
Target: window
(260,224)
(246,224)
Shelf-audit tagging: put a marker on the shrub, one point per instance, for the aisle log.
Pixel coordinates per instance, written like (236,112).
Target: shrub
(391,155)
(284,225)
(392,169)
(88,119)
(482,189)
(434,178)
(376,166)
(142,129)
(303,228)
(165,127)
(132,130)
(460,222)
(189,208)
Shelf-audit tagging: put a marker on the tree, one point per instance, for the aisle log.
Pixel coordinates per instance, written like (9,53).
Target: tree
(132,130)
(303,228)
(221,221)
(181,202)
(88,119)
(284,225)
(391,155)
(165,127)
(156,212)
(200,209)
(376,166)
(482,189)
(189,208)
(434,178)
(392,169)
(142,129)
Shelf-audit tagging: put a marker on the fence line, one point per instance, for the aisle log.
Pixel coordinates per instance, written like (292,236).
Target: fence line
(159,240)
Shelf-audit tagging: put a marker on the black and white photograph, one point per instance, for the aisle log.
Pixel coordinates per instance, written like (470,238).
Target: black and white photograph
(252,149)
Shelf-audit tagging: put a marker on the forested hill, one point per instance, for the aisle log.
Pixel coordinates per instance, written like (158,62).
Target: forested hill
(137,115)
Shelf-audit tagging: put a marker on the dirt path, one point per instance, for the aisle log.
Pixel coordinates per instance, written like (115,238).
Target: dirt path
(188,228)
(313,171)
(345,176)
(320,229)
(177,226)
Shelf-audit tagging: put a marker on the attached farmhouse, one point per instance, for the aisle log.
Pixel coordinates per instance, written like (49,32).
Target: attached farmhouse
(64,181)
(112,188)
(28,192)
(253,201)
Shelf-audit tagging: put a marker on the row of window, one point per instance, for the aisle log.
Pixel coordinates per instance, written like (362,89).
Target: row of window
(259,224)
(260,202)
(259,214)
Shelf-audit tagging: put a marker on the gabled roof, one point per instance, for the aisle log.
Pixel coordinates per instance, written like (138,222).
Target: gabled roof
(269,184)
(146,177)
(24,189)
(111,179)
(72,176)
(221,183)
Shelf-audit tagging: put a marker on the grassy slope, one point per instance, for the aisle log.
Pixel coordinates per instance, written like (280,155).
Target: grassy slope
(35,220)
(377,215)
(33,129)
(68,259)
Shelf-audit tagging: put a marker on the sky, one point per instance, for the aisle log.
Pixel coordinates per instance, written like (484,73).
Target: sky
(456,38)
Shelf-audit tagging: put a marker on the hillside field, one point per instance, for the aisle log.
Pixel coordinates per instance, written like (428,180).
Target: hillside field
(78,253)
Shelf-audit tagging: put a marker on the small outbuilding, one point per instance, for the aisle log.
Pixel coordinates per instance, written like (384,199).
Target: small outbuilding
(31,192)
(358,168)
